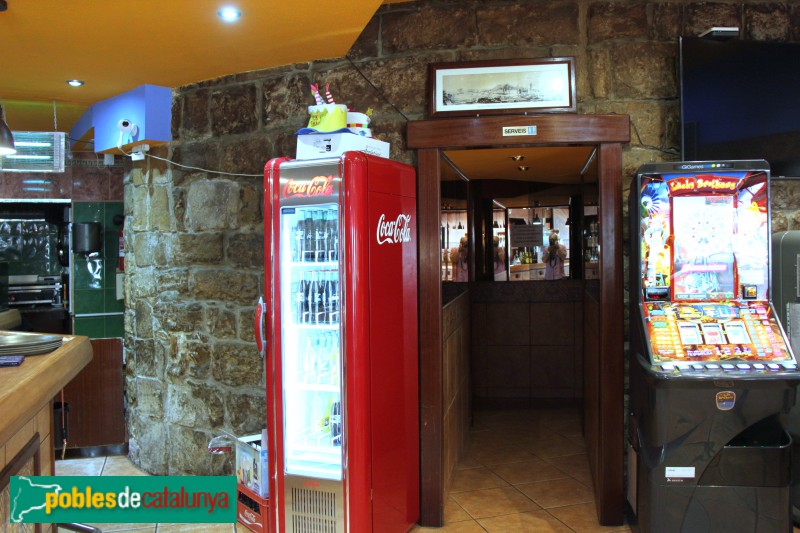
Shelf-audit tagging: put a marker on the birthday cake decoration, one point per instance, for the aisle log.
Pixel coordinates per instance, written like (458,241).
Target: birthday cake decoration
(329,117)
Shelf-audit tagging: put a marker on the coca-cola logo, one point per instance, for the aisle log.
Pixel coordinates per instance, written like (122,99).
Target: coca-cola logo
(394,231)
(316,186)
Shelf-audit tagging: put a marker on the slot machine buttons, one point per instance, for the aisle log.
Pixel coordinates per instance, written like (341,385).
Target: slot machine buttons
(727,366)
(743,366)
(790,366)
(683,367)
(667,367)
(698,366)
(759,366)
(773,366)
(712,366)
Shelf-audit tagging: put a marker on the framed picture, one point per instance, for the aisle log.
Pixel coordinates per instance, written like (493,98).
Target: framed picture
(503,87)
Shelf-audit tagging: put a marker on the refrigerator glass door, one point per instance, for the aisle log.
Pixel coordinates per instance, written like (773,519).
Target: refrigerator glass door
(311,341)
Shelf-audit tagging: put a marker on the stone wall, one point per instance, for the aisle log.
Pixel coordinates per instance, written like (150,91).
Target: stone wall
(195,235)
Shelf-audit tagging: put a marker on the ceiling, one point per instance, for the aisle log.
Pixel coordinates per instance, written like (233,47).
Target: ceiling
(116,46)
(552,173)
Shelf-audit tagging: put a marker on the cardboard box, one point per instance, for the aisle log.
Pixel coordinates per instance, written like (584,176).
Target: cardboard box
(251,465)
(252,511)
(317,145)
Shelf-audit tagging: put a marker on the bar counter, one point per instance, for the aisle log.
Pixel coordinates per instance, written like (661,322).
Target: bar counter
(26,411)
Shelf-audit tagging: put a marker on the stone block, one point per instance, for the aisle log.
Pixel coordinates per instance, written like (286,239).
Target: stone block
(245,250)
(532,23)
(645,70)
(189,355)
(212,205)
(224,285)
(194,405)
(221,322)
(702,16)
(234,110)
(149,445)
(247,155)
(286,98)
(767,22)
(195,116)
(177,315)
(149,397)
(427,29)
(614,21)
(247,413)
(237,364)
(191,249)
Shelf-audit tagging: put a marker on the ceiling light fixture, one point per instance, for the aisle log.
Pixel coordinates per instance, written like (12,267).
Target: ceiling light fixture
(522,168)
(229,14)
(6,137)
(74,83)
(517,157)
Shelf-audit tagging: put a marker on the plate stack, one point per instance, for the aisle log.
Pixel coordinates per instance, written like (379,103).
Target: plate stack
(16,343)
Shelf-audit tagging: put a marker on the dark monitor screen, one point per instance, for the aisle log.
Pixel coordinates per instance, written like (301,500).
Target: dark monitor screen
(741,100)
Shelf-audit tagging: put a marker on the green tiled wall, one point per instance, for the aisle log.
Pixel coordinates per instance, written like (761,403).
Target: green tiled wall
(94,278)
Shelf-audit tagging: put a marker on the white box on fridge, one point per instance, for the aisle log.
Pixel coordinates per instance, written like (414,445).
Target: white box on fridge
(317,145)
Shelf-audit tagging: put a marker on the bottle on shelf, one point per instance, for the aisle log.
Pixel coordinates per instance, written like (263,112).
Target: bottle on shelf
(336,423)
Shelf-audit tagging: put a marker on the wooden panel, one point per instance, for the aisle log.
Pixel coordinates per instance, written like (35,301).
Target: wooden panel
(26,389)
(430,342)
(95,398)
(487,131)
(609,474)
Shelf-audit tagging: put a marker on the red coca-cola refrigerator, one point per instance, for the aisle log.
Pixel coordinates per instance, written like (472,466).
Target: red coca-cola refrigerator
(339,335)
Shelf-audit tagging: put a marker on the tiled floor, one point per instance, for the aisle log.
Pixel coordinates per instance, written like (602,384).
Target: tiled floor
(121,466)
(523,471)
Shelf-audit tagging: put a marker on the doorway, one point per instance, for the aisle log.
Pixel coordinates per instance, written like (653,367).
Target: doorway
(602,301)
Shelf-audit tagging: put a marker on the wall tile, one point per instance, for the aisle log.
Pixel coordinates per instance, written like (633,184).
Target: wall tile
(88,301)
(92,327)
(507,324)
(508,366)
(552,323)
(552,367)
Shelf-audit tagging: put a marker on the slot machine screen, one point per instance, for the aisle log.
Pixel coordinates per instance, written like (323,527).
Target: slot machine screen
(705,267)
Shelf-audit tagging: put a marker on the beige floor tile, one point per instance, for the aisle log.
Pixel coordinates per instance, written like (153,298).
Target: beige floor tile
(200,528)
(557,493)
(453,512)
(470,526)
(532,522)
(494,455)
(494,502)
(528,471)
(555,446)
(91,466)
(475,479)
(121,466)
(467,462)
(582,518)
(576,466)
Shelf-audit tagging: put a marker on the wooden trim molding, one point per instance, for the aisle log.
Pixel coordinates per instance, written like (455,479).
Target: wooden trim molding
(608,133)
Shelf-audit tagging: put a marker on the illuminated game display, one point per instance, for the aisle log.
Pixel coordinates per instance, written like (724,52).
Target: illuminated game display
(705,271)
(712,377)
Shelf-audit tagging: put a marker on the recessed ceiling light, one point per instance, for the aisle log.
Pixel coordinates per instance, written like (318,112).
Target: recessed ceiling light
(229,14)
(517,157)
(522,168)
(75,83)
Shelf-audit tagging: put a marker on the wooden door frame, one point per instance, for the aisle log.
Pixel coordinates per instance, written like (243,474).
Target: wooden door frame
(430,138)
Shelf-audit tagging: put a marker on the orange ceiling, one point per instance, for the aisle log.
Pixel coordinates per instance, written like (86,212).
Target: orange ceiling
(115,46)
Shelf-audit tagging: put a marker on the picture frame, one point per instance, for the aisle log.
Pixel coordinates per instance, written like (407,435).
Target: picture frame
(502,87)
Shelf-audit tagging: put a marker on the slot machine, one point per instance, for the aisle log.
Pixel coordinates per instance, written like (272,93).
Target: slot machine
(712,376)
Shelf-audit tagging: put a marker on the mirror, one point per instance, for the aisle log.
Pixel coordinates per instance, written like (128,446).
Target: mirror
(509,202)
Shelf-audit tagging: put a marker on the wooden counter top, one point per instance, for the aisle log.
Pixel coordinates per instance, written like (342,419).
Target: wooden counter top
(26,389)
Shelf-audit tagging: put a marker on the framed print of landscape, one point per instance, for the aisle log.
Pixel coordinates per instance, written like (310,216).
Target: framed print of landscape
(541,85)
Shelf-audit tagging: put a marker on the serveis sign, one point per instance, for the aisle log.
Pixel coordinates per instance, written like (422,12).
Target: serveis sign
(517,131)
